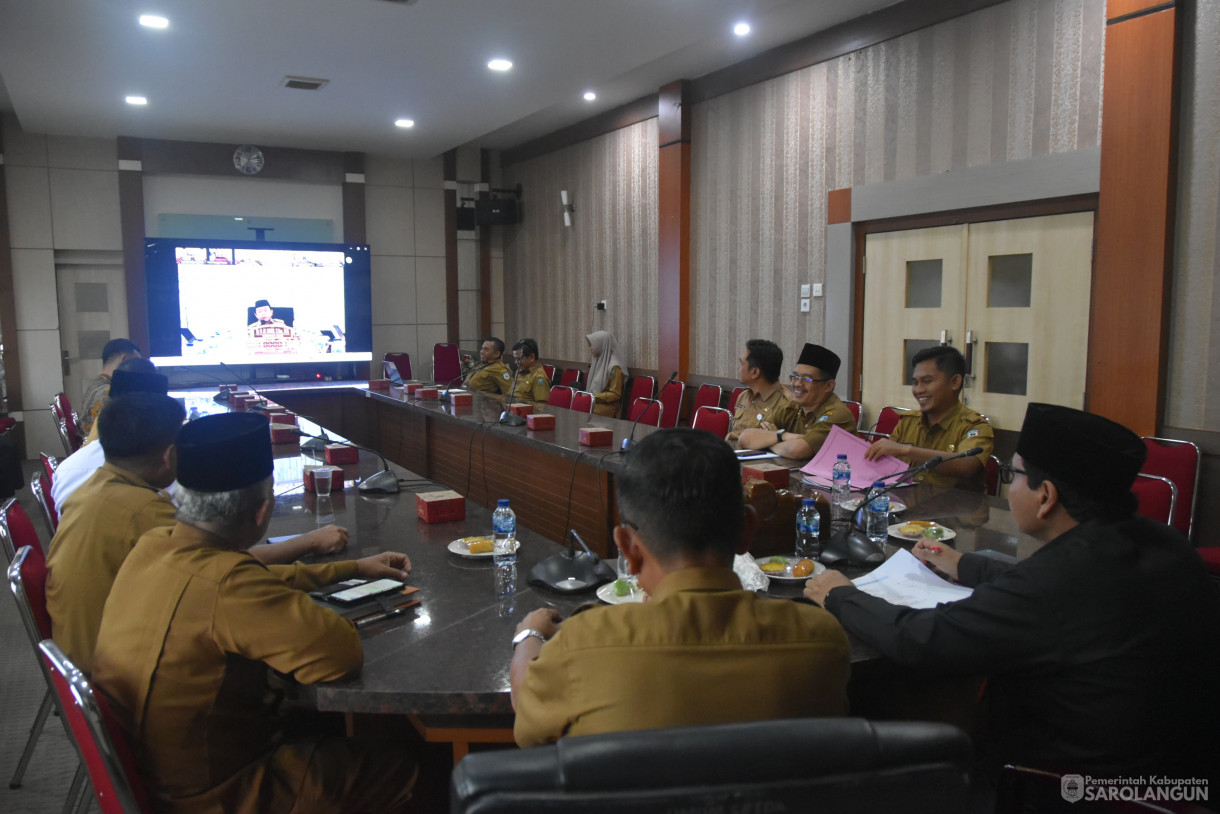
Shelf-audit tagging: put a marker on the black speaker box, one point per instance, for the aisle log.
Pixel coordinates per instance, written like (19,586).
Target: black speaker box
(496,211)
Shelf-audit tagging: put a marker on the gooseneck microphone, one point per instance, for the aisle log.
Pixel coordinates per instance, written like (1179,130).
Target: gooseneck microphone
(262,400)
(383,482)
(630,439)
(508,418)
(464,376)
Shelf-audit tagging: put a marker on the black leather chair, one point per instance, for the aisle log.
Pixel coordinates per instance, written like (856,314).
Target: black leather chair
(826,765)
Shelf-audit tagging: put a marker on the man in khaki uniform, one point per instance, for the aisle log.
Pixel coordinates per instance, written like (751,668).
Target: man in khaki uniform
(701,650)
(758,368)
(532,383)
(943,424)
(797,429)
(193,627)
(493,376)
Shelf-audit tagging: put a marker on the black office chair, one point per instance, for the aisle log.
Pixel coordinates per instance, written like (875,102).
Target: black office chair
(827,765)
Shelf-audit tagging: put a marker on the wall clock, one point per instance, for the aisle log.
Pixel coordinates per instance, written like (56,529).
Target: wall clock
(248,159)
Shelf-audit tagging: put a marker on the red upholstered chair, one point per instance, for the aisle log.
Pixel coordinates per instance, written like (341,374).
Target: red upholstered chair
(887,419)
(560,396)
(582,401)
(402,361)
(991,475)
(647,411)
(16,529)
(550,373)
(708,395)
(1211,559)
(67,423)
(7,423)
(671,397)
(49,464)
(1158,497)
(854,406)
(571,377)
(446,364)
(99,737)
(737,391)
(713,419)
(1179,461)
(641,387)
(41,487)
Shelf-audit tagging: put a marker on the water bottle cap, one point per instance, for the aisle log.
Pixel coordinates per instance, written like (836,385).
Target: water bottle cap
(807,502)
(878,484)
(502,503)
(842,456)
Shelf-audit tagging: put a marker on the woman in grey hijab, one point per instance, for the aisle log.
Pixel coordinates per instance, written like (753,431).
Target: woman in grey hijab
(606,373)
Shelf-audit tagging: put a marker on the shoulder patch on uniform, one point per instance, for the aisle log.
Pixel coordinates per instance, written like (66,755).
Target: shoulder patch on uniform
(824,418)
(972,433)
(506,376)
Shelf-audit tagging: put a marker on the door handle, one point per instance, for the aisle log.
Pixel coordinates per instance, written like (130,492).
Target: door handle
(971,339)
(946,338)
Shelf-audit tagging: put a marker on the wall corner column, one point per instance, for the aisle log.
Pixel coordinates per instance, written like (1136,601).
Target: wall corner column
(449,160)
(673,234)
(131,229)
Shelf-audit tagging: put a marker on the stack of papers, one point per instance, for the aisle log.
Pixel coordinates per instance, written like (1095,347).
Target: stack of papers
(863,472)
(904,580)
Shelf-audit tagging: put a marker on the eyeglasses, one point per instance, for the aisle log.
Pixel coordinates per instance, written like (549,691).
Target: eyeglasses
(1007,471)
(794,378)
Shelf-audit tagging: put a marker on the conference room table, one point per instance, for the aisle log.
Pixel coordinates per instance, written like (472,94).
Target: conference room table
(444,664)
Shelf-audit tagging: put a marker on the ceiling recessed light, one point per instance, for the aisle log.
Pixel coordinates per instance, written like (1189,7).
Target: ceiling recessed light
(590,96)
(137,100)
(741,29)
(153,21)
(238,218)
(404,122)
(500,65)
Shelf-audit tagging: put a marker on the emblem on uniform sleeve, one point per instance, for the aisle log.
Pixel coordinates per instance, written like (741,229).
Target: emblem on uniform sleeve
(506,376)
(824,418)
(972,433)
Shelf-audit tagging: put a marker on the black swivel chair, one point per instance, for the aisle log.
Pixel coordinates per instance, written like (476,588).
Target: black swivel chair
(827,765)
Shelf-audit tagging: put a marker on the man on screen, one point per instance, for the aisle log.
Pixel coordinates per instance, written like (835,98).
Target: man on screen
(264,315)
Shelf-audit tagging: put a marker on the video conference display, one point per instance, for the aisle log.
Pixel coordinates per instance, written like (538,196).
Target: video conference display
(245,303)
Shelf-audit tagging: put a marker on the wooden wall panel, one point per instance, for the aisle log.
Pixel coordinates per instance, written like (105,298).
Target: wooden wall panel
(673,233)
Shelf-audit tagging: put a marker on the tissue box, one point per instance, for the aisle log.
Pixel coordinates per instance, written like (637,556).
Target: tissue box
(428,393)
(341,454)
(596,436)
(440,507)
(540,421)
(284,433)
(520,408)
(777,476)
(413,388)
(460,398)
(379,384)
(281,416)
(336,478)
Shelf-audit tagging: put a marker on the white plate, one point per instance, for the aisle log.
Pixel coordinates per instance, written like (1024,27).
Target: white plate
(606,594)
(459,547)
(786,574)
(894,532)
(896,506)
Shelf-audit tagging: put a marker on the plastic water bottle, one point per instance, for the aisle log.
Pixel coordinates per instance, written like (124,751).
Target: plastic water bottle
(877,515)
(840,493)
(504,548)
(808,529)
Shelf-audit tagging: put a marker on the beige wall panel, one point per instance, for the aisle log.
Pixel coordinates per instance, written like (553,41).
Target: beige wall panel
(468,264)
(429,336)
(430,292)
(429,173)
(395,339)
(388,216)
(70,152)
(468,318)
(497,290)
(429,222)
(22,149)
(393,283)
(28,195)
(34,289)
(41,376)
(85,209)
(386,171)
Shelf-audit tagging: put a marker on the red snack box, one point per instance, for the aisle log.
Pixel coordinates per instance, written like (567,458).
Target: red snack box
(341,454)
(428,393)
(379,384)
(281,416)
(413,388)
(460,398)
(336,477)
(284,433)
(777,476)
(596,436)
(521,409)
(242,401)
(540,421)
(440,507)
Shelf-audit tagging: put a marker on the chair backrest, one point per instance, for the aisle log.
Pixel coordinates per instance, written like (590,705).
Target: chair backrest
(671,397)
(402,361)
(560,396)
(708,395)
(446,364)
(66,422)
(737,391)
(582,401)
(549,370)
(49,464)
(844,764)
(1157,496)
(41,487)
(16,529)
(1180,462)
(855,408)
(642,387)
(571,377)
(715,420)
(991,475)
(647,411)
(887,419)
(99,737)
(27,581)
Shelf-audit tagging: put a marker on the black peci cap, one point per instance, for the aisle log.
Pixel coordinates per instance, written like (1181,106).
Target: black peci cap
(130,381)
(822,358)
(1097,456)
(225,452)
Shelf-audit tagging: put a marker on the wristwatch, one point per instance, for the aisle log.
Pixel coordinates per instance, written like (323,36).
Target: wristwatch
(528,633)
(779,434)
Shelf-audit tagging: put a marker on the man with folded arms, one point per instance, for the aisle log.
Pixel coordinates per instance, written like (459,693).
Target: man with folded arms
(492,376)
(758,368)
(798,429)
(701,650)
(1101,649)
(194,626)
(532,383)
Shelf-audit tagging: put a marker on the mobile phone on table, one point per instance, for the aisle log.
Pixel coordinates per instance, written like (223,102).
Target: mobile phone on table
(350,596)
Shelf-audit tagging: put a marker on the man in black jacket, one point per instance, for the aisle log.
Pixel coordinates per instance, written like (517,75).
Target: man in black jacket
(1102,649)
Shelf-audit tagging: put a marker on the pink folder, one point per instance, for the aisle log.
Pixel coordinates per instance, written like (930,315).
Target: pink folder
(863,472)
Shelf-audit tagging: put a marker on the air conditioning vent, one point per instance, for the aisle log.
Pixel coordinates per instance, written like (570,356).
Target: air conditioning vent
(303,82)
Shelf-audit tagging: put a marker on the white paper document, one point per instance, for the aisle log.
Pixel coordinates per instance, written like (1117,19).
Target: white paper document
(904,580)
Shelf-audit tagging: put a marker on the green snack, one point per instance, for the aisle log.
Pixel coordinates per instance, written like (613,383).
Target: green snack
(779,560)
(622,587)
(934,532)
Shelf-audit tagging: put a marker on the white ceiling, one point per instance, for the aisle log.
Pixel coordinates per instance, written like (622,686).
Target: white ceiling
(215,73)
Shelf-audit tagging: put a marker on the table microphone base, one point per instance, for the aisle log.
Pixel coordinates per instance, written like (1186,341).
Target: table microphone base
(569,574)
(511,419)
(851,546)
(384,482)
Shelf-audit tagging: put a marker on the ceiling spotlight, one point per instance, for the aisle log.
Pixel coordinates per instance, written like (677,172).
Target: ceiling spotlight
(153,21)
(590,96)
(404,123)
(500,65)
(137,100)
(741,29)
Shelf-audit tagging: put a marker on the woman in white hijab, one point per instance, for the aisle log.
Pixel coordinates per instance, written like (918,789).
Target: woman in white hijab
(606,373)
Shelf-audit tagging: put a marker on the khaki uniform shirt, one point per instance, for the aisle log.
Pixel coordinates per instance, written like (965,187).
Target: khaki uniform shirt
(495,378)
(961,429)
(188,637)
(608,401)
(815,426)
(532,385)
(101,522)
(751,411)
(700,651)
